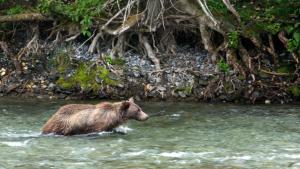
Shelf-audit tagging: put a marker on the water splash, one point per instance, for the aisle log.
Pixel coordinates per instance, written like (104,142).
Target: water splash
(123,129)
(16,143)
(25,134)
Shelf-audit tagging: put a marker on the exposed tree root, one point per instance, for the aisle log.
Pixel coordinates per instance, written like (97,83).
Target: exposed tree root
(246,57)
(32,46)
(119,48)
(232,60)
(94,43)
(167,43)
(12,57)
(232,10)
(206,40)
(143,39)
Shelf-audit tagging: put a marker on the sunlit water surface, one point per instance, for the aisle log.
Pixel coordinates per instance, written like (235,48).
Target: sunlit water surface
(178,135)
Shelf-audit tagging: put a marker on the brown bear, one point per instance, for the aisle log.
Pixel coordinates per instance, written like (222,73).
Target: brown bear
(87,118)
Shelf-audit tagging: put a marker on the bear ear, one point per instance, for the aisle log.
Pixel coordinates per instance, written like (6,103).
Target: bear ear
(131,99)
(125,105)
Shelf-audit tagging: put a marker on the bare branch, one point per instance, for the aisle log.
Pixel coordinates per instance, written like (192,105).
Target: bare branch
(25,17)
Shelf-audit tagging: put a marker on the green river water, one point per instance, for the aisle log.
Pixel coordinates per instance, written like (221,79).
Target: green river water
(177,135)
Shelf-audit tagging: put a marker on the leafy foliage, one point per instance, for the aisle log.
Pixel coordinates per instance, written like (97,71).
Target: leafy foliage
(223,66)
(15,10)
(233,39)
(82,12)
(295,90)
(294,41)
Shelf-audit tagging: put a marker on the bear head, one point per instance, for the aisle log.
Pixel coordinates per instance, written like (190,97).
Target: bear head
(130,110)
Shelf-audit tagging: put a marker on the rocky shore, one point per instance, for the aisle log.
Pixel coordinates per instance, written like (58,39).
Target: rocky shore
(184,75)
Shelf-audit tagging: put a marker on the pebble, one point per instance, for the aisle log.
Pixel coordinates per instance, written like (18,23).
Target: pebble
(40,97)
(267,101)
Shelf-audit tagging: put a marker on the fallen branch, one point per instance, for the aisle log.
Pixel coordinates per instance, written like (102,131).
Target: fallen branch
(24,17)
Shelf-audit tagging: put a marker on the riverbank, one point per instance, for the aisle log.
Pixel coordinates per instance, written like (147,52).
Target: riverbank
(186,75)
(217,52)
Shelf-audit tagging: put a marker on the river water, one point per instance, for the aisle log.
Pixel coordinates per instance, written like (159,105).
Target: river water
(178,135)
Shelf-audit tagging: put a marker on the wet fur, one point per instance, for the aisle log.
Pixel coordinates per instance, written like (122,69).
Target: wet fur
(87,118)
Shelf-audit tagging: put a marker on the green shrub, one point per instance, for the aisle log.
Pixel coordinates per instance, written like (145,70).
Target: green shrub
(82,12)
(15,10)
(223,66)
(294,90)
(294,40)
(233,39)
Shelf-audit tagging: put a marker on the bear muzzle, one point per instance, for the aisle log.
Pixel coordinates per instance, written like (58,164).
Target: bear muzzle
(143,116)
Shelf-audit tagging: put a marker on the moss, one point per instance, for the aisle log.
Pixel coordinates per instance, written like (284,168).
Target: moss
(187,90)
(105,75)
(65,83)
(88,77)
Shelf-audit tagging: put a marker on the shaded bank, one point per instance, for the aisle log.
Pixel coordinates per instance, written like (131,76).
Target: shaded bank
(199,50)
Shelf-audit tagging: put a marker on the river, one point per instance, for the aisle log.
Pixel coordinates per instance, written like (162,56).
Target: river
(177,135)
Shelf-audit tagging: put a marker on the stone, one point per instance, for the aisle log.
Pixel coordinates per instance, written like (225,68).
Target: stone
(267,101)
(40,97)
(182,94)
(62,96)
(202,82)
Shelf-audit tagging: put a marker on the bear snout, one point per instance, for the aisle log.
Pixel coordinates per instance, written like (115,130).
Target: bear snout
(143,116)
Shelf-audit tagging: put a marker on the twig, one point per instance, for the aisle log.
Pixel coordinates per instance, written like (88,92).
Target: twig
(274,73)
(116,15)
(72,37)
(24,17)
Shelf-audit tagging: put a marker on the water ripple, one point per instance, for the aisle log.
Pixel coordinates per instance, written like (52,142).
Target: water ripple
(16,143)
